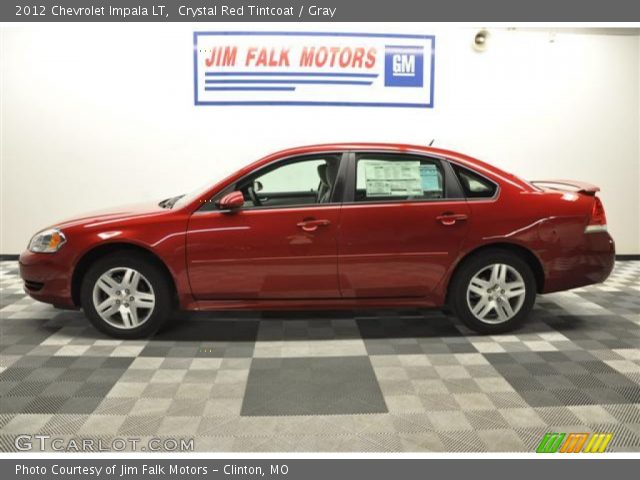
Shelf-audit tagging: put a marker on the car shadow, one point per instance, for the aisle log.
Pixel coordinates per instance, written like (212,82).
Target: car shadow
(343,324)
(311,325)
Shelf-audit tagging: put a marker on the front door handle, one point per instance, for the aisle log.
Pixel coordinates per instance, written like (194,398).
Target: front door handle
(449,218)
(312,225)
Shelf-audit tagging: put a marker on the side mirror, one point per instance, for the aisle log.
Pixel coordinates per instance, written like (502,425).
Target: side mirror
(257,186)
(231,201)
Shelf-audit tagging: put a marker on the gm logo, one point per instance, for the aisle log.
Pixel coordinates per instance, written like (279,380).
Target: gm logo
(403,66)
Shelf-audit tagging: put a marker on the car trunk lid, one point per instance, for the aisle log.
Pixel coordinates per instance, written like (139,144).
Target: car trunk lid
(567,185)
(596,219)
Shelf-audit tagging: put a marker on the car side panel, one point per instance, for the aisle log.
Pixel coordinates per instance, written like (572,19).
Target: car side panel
(397,249)
(573,258)
(550,226)
(263,253)
(161,233)
(513,217)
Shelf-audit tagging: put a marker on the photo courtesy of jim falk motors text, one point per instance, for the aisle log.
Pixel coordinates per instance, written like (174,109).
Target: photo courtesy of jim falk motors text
(131,471)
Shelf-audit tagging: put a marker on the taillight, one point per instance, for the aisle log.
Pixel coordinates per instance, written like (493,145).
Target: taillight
(598,219)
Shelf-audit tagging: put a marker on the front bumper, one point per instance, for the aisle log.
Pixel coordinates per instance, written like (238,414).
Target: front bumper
(47,278)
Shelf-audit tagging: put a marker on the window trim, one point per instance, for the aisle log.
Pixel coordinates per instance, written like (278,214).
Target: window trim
(495,195)
(449,177)
(336,193)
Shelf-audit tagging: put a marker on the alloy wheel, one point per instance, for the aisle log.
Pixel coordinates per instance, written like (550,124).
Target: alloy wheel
(123,298)
(496,293)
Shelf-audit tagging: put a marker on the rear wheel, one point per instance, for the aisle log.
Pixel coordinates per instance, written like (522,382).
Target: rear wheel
(126,297)
(493,291)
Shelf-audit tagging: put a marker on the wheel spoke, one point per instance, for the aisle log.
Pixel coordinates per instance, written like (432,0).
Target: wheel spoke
(131,278)
(502,314)
(479,286)
(514,289)
(129,317)
(126,318)
(505,306)
(107,284)
(133,315)
(502,276)
(479,306)
(479,282)
(145,300)
(483,307)
(107,307)
(495,273)
(477,290)
(488,307)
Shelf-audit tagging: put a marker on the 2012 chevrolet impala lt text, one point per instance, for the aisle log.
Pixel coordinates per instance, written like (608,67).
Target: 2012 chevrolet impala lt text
(330,226)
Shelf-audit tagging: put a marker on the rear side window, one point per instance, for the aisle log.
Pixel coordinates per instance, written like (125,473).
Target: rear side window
(383,177)
(474,185)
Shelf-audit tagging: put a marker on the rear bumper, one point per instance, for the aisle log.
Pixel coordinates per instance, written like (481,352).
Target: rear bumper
(590,262)
(47,278)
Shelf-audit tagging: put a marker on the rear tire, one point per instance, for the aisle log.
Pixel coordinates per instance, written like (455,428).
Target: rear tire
(126,297)
(493,291)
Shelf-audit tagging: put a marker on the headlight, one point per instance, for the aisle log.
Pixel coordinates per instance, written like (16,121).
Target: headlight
(48,241)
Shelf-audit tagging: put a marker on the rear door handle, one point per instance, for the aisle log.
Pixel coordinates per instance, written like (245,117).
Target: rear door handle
(312,225)
(451,218)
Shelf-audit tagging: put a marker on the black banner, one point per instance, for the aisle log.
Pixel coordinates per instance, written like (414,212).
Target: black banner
(317,11)
(315,469)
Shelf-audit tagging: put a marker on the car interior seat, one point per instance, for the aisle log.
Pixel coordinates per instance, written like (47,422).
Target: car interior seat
(327,172)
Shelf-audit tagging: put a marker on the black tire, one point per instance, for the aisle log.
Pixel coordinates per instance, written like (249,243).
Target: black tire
(153,274)
(469,268)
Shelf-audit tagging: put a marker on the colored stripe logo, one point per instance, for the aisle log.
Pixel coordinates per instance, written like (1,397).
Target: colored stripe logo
(598,442)
(574,442)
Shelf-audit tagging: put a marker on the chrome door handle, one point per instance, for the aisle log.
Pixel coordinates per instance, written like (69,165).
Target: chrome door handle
(312,225)
(451,218)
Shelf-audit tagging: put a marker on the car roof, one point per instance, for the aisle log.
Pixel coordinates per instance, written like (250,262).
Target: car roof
(479,166)
(458,157)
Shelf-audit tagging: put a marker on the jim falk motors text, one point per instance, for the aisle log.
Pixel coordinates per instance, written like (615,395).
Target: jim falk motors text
(307,56)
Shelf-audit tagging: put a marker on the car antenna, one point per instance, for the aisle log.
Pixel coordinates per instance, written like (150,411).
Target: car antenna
(431,142)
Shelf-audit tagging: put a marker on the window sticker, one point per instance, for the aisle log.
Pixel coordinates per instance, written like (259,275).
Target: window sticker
(392,179)
(430,178)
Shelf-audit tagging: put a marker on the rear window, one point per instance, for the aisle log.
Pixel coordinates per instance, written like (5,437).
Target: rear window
(473,184)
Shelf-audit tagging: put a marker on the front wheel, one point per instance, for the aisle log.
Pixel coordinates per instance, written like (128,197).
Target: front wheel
(126,297)
(493,292)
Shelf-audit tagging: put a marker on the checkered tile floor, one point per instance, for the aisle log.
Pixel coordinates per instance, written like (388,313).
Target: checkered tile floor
(339,381)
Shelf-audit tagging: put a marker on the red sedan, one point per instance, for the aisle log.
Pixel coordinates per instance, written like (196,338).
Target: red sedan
(330,226)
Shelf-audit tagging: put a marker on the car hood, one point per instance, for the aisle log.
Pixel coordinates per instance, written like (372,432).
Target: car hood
(113,215)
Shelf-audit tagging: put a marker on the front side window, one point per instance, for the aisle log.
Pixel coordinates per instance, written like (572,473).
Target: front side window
(295,182)
(474,185)
(391,177)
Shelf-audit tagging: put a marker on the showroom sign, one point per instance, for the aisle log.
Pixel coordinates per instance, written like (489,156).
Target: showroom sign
(322,68)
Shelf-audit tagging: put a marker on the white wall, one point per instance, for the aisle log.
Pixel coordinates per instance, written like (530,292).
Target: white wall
(99,115)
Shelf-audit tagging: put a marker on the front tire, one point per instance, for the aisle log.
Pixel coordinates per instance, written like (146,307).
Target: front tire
(493,291)
(126,297)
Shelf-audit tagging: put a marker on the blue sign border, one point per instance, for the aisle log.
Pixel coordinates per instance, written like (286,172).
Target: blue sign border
(198,102)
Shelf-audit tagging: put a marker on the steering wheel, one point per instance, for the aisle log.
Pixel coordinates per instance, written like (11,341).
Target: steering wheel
(254,197)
